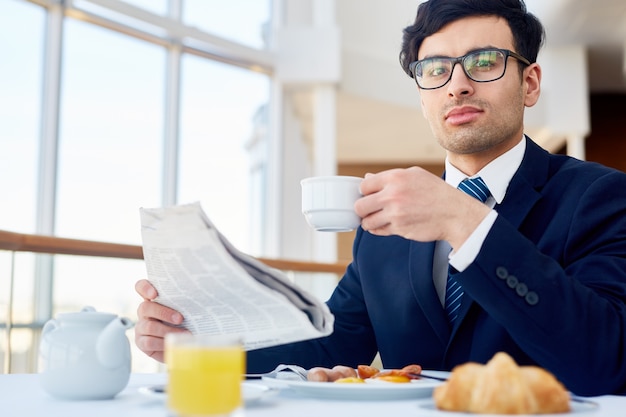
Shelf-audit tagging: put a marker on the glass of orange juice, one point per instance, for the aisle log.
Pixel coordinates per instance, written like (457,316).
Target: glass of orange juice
(204,374)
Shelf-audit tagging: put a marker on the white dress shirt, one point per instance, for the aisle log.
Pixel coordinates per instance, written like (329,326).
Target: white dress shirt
(497,175)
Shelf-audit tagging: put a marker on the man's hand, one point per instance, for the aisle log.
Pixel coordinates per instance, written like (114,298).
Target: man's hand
(417,205)
(155,321)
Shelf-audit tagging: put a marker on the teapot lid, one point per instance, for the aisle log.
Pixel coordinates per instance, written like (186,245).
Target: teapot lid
(87,314)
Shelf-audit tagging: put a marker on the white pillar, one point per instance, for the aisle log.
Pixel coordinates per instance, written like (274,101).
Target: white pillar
(324,131)
(565,95)
(309,59)
(576,146)
(324,159)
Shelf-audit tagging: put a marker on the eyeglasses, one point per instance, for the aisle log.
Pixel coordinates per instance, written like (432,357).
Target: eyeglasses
(483,66)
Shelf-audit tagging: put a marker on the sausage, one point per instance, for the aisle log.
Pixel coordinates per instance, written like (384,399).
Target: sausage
(318,374)
(344,372)
(412,369)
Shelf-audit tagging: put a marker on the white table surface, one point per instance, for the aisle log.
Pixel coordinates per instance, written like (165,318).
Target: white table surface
(22,395)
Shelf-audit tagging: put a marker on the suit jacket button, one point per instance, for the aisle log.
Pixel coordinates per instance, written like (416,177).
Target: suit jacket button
(512,281)
(502,272)
(521,289)
(532,298)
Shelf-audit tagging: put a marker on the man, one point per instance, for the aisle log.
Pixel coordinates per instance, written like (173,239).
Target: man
(539,268)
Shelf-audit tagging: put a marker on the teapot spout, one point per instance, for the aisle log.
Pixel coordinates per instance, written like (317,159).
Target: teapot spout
(112,346)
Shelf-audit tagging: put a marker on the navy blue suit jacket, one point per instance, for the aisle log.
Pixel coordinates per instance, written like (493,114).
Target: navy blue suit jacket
(548,286)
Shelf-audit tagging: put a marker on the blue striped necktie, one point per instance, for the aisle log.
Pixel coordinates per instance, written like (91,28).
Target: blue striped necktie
(477,188)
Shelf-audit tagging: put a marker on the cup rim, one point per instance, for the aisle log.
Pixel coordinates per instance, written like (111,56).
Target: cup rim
(321,178)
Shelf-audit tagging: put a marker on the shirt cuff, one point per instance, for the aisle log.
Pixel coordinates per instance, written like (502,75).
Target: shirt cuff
(466,254)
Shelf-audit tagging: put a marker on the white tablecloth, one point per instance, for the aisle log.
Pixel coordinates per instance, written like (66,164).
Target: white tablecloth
(21,395)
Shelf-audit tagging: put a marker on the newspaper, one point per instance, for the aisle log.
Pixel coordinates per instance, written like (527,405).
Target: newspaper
(220,290)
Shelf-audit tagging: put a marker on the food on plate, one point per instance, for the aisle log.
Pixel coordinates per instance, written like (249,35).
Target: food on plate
(393,378)
(350,380)
(320,374)
(502,387)
(366,371)
(399,375)
(346,374)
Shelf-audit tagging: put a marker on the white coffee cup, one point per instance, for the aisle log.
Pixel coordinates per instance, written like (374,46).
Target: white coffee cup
(328,202)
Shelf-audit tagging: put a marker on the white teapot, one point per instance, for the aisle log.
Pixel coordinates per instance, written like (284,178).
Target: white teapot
(85,355)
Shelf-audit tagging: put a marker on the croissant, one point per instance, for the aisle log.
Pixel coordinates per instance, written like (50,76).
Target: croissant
(502,387)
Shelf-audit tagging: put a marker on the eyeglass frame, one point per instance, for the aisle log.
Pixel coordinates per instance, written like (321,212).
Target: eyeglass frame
(459,60)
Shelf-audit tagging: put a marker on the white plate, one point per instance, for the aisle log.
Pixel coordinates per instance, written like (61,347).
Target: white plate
(577,406)
(250,392)
(370,390)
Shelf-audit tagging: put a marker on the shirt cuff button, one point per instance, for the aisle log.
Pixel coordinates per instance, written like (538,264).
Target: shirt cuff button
(532,298)
(521,289)
(501,272)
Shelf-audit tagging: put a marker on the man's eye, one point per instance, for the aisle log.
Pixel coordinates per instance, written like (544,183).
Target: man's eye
(484,61)
(435,69)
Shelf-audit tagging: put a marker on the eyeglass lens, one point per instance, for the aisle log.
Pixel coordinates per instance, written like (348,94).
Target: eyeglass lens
(481,66)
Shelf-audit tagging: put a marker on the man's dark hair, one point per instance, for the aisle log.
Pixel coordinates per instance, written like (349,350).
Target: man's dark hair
(432,15)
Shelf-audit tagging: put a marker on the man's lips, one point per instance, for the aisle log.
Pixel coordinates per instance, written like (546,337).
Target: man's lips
(461,115)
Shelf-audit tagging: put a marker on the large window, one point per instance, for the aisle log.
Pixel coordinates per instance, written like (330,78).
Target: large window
(245,21)
(121,86)
(20,105)
(21,46)
(215,128)
(110,136)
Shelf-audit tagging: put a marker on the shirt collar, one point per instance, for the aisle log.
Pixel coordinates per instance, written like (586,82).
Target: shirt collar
(497,174)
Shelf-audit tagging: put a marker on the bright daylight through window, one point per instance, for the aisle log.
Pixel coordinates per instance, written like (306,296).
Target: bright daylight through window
(135,118)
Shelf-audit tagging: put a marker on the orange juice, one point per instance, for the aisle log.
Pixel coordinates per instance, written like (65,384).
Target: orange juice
(204,378)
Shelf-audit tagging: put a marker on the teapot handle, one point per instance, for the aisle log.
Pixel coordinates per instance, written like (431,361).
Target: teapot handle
(49,326)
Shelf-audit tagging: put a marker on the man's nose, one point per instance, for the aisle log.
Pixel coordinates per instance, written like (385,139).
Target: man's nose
(460,84)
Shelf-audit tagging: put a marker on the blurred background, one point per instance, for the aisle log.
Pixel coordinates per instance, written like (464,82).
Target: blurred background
(107,106)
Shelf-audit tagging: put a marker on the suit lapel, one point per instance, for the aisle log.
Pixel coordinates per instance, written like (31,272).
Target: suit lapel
(421,272)
(522,193)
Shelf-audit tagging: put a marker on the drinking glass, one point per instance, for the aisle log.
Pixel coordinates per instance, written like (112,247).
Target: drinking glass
(204,374)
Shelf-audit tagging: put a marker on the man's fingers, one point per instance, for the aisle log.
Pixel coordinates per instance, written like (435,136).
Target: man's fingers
(153,331)
(152,310)
(154,347)
(145,289)
(155,321)
(150,336)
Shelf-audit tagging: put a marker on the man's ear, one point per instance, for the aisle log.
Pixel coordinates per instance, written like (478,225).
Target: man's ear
(532,84)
